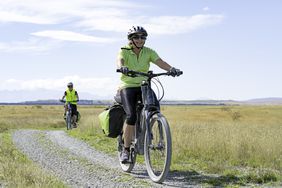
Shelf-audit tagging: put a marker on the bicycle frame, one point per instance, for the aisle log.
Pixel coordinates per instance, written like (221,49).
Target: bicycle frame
(149,107)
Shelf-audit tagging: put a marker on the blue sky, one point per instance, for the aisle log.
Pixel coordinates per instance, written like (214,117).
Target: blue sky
(227,49)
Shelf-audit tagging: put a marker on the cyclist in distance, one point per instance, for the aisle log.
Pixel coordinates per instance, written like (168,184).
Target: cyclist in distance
(135,56)
(71,96)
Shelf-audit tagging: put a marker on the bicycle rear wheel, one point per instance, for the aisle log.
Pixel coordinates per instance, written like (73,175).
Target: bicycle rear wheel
(126,167)
(158,148)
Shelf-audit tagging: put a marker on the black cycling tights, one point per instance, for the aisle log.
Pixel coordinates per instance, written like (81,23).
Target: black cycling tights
(129,99)
(73,109)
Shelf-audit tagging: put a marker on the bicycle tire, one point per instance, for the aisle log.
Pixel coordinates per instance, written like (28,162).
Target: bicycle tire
(126,167)
(68,121)
(162,130)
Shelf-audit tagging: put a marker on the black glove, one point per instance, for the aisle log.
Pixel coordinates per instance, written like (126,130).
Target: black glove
(174,72)
(124,70)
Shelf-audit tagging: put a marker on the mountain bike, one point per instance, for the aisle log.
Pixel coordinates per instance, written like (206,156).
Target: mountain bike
(69,118)
(152,132)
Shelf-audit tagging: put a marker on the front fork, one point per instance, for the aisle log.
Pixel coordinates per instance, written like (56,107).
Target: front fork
(148,115)
(141,128)
(140,131)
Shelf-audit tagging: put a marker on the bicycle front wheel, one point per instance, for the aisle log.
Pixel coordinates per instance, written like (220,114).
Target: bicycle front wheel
(68,121)
(158,148)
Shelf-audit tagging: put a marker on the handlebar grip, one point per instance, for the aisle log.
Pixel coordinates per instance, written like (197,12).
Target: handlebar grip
(118,70)
(180,73)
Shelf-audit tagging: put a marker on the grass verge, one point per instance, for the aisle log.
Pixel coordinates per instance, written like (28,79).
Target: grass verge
(17,171)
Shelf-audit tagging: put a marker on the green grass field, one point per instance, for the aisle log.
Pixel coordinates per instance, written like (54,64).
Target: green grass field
(15,169)
(240,143)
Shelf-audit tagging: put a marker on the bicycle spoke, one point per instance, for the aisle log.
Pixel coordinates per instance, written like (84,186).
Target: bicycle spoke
(158,149)
(157,153)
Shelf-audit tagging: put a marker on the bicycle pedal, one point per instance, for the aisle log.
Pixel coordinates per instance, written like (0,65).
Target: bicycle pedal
(126,162)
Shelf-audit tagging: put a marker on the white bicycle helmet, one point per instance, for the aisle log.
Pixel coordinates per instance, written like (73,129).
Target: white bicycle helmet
(136,30)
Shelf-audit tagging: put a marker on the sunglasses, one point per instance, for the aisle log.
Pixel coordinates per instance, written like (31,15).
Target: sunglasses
(136,37)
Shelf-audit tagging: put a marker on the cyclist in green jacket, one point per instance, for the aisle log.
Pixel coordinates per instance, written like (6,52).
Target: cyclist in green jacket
(135,56)
(71,96)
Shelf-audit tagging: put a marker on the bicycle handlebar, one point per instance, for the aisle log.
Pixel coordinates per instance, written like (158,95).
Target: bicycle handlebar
(63,101)
(150,74)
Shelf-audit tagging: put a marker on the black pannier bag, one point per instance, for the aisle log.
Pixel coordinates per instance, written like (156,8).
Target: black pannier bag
(112,120)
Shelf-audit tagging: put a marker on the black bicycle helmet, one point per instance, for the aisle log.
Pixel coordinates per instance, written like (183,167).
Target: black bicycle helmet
(136,30)
(70,84)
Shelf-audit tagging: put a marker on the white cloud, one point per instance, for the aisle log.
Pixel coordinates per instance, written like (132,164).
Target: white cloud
(97,86)
(110,15)
(54,11)
(72,36)
(67,17)
(6,16)
(41,45)
(206,9)
(178,24)
(32,44)
(158,25)
(155,25)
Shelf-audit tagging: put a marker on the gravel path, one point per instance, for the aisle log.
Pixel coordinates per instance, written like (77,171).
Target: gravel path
(79,165)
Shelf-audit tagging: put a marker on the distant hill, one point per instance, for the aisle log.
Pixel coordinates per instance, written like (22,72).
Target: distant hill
(269,101)
(261,101)
(199,102)
(42,94)
(57,102)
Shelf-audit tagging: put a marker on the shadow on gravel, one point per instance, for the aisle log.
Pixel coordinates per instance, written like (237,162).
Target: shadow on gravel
(193,178)
(140,173)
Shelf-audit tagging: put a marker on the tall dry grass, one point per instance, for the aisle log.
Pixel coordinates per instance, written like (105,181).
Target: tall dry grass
(229,140)
(15,169)
(89,130)
(223,137)
(18,171)
(216,139)
(37,117)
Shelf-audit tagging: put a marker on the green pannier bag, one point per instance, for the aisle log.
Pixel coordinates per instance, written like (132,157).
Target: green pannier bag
(78,116)
(111,120)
